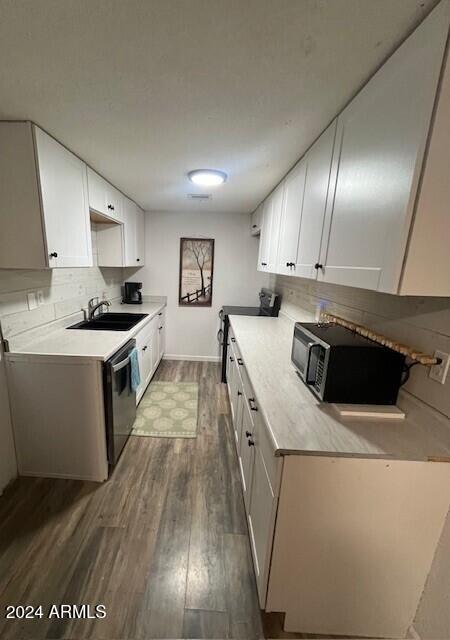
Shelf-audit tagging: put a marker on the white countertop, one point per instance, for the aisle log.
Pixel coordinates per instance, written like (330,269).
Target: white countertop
(299,423)
(97,345)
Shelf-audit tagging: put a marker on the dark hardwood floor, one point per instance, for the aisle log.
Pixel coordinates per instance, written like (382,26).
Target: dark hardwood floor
(163,544)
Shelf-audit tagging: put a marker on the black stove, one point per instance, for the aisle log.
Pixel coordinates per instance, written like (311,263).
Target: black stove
(269,307)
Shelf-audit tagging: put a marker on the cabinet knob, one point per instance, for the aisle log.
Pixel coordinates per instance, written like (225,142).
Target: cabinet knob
(54,254)
(239,361)
(239,393)
(318,266)
(253,226)
(144,348)
(250,443)
(231,359)
(159,328)
(248,434)
(264,264)
(110,207)
(233,339)
(138,259)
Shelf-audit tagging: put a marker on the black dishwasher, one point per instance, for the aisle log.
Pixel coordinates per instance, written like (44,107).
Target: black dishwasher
(120,401)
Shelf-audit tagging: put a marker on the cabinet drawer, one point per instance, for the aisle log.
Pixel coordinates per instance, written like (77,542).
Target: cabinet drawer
(264,444)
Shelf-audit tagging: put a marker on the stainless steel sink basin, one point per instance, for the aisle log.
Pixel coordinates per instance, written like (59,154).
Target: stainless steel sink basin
(110,322)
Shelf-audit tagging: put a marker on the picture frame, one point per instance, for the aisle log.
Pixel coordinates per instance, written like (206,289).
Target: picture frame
(196,272)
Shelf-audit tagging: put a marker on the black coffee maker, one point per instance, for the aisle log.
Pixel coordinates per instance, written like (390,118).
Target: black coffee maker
(132,293)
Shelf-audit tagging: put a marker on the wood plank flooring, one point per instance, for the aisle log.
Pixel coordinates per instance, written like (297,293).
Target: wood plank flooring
(163,544)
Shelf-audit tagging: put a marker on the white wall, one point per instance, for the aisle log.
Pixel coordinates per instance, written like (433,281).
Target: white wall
(192,331)
(8,467)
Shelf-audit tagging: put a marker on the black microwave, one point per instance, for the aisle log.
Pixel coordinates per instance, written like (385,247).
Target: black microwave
(339,365)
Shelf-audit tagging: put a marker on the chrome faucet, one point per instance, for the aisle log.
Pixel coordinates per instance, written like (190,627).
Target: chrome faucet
(93,306)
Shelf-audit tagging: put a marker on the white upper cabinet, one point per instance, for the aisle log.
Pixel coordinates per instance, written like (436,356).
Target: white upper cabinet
(65,204)
(45,211)
(256,220)
(318,180)
(266,231)
(291,214)
(134,234)
(140,237)
(103,197)
(277,205)
(373,208)
(380,146)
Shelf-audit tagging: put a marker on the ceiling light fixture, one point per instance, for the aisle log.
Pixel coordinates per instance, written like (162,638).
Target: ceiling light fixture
(207,177)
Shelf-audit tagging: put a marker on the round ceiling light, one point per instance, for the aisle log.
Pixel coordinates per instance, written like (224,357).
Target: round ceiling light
(207,177)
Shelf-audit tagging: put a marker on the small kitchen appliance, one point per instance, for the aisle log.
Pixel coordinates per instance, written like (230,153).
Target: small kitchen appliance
(341,366)
(132,293)
(269,306)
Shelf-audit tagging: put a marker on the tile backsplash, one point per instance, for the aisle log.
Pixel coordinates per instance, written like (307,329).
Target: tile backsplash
(423,323)
(64,292)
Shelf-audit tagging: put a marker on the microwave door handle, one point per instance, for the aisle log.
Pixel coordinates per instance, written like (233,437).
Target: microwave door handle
(311,346)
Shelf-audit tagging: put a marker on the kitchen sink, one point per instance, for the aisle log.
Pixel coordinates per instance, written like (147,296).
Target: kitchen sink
(110,322)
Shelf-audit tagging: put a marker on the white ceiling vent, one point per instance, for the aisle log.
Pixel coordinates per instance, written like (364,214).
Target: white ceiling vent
(199,196)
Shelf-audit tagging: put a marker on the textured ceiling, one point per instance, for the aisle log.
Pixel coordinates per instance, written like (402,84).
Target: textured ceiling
(145,90)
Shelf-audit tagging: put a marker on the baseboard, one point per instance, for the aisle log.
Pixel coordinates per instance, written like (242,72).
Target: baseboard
(168,356)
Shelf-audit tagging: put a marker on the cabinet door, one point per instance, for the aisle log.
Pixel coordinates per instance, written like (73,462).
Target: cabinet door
(277,206)
(140,237)
(381,141)
(239,406)
(129,232)
(231,371)
(290,219)
(256,220)
(261,518)
(97,192)
(143,349)
(161,337)
(264,241)
(64,192)
(318,172)
(246,454)
(114,202)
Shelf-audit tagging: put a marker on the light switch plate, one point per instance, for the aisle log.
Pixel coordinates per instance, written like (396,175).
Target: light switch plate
(32,300)
(439,372)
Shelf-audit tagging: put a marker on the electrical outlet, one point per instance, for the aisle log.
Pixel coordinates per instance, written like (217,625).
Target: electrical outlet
(439,372)
(40,298)
(32,300)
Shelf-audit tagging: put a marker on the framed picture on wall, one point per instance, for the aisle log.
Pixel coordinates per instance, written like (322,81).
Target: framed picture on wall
(196,272)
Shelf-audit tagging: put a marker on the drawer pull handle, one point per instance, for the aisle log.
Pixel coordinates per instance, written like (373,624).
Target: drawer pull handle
(251,443)
(231,359)
(144,348)
(239,361)
(239,393)
(248,434)
(233,339)
(251,402)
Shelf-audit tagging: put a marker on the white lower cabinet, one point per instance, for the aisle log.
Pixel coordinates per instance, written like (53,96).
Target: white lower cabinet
(328,533)
(261,517)
(247,454)
(150,348)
